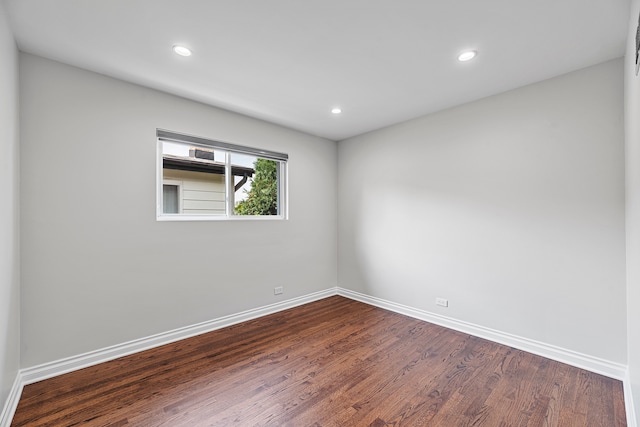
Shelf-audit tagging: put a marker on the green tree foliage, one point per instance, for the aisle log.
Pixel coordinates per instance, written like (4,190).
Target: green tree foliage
(262,198)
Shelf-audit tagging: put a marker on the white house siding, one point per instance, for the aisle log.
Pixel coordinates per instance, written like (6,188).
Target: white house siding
(202,193)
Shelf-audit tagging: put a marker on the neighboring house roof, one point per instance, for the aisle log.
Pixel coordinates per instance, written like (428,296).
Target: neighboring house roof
(196,164)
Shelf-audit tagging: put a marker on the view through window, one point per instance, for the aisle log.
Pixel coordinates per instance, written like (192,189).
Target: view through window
(205,179)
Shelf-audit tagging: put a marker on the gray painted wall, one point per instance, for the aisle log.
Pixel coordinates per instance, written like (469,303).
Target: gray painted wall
(511,207)
(632,128)
(9,211)
(98,269)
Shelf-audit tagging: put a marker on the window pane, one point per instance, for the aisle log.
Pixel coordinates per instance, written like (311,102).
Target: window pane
(255,184)
(201,172)
(170,203)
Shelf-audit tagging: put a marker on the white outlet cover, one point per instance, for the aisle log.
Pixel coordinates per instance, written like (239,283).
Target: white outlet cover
(442,302)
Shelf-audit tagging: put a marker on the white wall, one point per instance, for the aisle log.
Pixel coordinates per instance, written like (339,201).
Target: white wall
(101,271)
(632,137)
(511,207)
(9,209)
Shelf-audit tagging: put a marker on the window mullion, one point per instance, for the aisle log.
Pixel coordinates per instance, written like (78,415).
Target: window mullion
(228,180)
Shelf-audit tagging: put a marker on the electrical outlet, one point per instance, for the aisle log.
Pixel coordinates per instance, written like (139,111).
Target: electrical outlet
(442,302)
(278,290)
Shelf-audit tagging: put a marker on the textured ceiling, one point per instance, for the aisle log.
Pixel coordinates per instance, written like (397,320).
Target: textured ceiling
(291,61)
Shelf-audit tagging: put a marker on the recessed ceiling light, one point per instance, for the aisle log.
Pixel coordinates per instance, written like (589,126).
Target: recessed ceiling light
(336,110)
(467,55)
(181,50)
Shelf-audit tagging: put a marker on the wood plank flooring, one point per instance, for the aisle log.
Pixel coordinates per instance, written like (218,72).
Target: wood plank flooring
(334,362)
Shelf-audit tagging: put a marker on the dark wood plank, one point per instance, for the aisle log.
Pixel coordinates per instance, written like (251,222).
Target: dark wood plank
(334,362)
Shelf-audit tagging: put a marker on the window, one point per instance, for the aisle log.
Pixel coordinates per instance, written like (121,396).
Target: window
(171,196)
(201,179)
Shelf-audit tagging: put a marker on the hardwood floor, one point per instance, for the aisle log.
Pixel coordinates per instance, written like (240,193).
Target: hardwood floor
(335,362)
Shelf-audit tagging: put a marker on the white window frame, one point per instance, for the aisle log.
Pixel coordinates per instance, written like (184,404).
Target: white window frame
(283,181)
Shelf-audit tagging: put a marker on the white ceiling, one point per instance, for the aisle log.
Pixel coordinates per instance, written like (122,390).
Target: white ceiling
(290,61)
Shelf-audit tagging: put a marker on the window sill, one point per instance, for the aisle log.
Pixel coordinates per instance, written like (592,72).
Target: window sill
(182,217)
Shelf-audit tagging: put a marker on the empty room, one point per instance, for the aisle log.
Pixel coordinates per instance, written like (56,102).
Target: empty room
(320,213)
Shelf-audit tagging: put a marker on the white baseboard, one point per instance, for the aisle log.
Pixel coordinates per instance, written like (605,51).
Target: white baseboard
(69,364)
(573,358)
(628,402)
(12,401)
